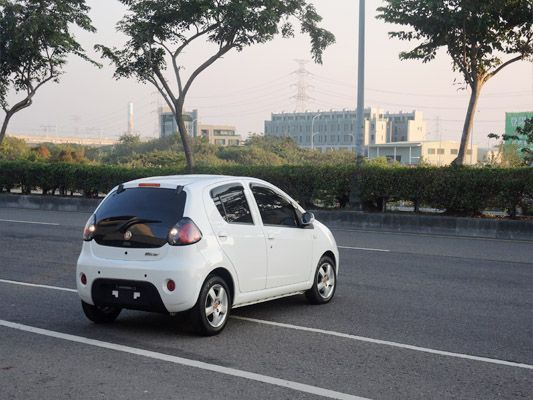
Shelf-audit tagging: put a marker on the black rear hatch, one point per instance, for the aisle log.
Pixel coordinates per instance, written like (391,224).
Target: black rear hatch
(138,217)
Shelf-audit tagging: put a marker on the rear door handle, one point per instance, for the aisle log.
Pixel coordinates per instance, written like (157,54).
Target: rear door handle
(270,236)
(223,235)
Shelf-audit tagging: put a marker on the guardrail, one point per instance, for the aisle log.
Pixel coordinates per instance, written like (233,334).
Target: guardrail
(430,224)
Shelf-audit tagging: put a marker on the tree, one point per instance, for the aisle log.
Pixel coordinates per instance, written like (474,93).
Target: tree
(512,146)
(160,31)
(13,149)
(475,33)
(129,140)
(35,40)
(525,133)
(43,152)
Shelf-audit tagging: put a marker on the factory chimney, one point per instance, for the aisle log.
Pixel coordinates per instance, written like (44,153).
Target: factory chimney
(131,123)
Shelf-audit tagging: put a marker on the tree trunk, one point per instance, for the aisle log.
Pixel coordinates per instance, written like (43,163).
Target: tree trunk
(469,123)
(4,126)
(185,139)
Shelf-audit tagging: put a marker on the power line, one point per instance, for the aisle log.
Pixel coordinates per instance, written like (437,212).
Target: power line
(403,93)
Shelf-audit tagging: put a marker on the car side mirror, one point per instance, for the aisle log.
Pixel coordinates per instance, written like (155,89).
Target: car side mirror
(308,218)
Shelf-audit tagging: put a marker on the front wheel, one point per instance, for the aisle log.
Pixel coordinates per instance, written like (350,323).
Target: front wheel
(210,314)
(324,283)
(100,314)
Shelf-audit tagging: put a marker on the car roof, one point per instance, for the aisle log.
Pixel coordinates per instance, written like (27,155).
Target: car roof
(189,180)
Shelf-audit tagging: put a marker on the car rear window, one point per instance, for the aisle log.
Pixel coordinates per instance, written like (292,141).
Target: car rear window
(138,217)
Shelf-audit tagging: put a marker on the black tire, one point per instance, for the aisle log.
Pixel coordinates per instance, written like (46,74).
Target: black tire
(100,314)
(324,286)
(215,297)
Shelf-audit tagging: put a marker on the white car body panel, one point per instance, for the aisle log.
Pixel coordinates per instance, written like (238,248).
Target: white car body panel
(243,244)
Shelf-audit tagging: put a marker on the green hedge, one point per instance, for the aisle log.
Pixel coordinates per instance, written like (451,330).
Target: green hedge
(457,190)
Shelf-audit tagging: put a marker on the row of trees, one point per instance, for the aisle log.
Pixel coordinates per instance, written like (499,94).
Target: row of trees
(36,39)
(168,153)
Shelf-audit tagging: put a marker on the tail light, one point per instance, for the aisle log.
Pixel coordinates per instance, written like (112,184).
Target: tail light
(90,229)
(184,233)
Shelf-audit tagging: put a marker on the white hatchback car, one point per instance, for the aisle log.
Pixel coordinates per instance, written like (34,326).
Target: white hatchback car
(201,243)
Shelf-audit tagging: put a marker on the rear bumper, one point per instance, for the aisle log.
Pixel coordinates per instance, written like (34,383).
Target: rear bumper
(188,270)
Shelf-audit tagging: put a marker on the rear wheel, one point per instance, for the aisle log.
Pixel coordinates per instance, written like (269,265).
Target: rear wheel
(100,314)
(324,283)
(210,314)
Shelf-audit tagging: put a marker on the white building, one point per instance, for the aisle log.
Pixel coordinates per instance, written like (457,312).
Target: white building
(221,135)
(436,152)
(406,127)
(335,130)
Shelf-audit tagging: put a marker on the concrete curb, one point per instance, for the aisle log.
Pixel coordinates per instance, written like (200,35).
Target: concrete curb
(429,224)
(407,223)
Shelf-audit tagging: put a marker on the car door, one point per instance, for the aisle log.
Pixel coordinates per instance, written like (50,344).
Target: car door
(241,238)
(289,246)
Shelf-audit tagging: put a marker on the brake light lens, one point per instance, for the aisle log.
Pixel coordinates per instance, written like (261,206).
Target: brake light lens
(149,185)
(90,229)
(184,233)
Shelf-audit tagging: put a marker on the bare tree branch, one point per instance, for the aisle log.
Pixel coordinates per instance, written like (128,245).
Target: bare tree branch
(502,66)
(165,85)
(163,93)
(223,50)
(186,42)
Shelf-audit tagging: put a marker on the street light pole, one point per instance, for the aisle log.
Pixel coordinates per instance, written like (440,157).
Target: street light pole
(313,130)
(360,77)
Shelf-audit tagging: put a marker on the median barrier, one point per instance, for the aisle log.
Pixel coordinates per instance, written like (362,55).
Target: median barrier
(495,228)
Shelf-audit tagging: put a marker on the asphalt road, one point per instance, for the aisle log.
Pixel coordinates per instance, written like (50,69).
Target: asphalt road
(414,317)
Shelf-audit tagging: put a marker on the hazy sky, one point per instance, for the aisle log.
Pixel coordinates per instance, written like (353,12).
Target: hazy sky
(244,88)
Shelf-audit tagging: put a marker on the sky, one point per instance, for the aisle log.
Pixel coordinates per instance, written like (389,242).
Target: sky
(244,88)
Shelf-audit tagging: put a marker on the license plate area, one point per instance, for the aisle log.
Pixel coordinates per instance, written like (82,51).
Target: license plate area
(136,295)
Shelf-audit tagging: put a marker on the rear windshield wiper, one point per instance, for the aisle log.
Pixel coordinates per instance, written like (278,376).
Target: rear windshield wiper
(130,221)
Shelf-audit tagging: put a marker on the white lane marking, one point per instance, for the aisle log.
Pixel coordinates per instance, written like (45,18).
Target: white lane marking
(387,343)
(338,334)
(363,248)
(29,222)
(39,286)
(301,387)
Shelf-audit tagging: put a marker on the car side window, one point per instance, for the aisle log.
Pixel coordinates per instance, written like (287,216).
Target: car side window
(274,209)
(231,203)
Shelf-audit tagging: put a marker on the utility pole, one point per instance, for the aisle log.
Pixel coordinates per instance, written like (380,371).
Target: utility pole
(359,137)
(356,189)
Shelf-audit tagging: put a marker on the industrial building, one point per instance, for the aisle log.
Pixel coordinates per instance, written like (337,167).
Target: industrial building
(431,152)
(168,125)
(335,130)
(220,135)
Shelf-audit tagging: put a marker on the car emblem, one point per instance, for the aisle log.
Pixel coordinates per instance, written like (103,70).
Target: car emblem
(128,235)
